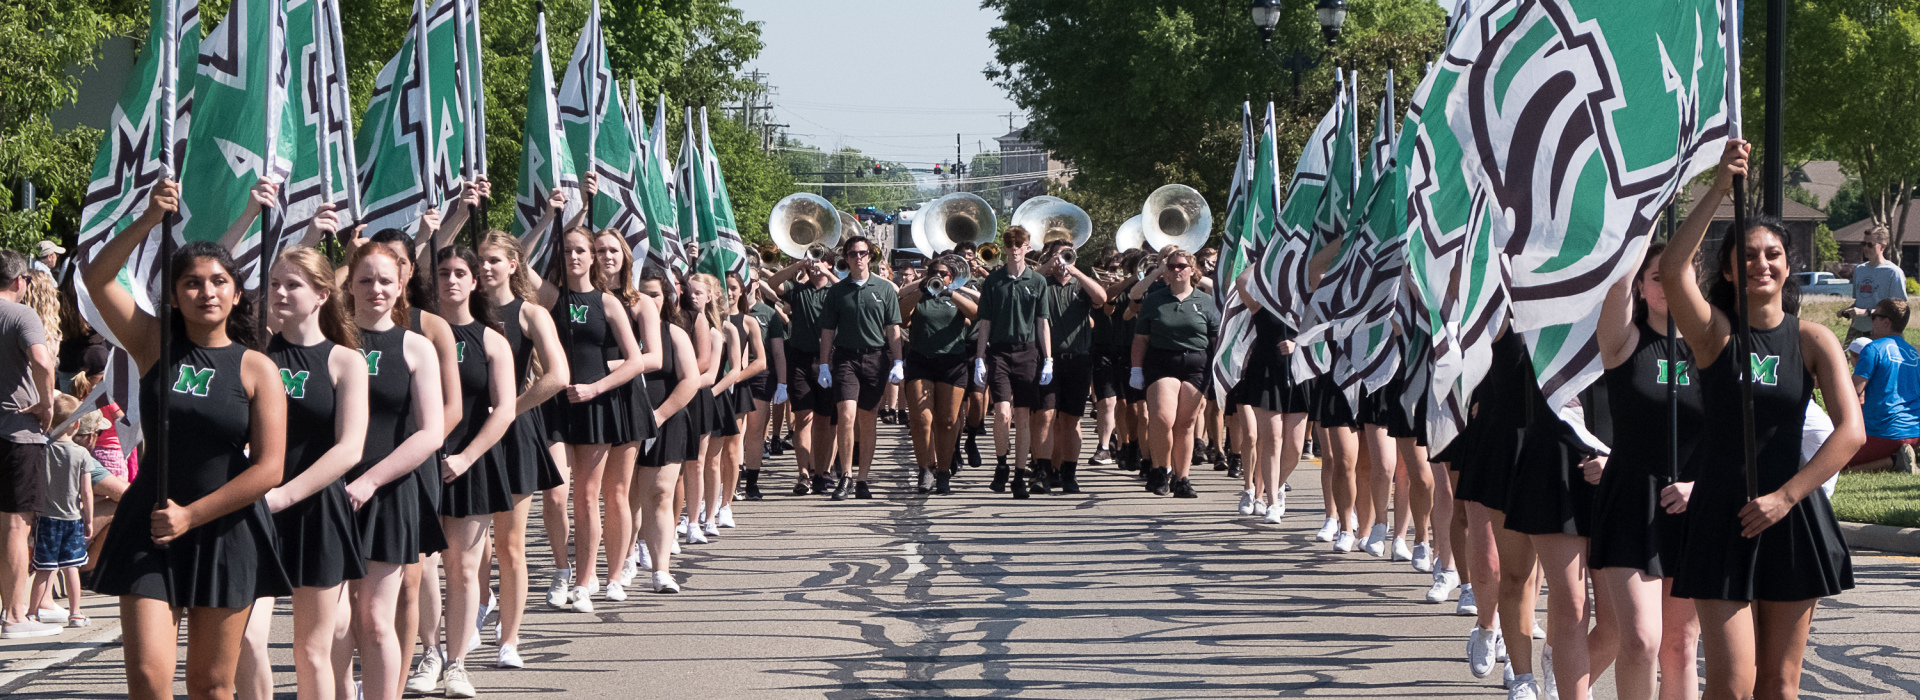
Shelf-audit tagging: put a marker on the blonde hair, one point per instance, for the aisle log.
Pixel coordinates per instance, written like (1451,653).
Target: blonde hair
(44,297)
(622,286)
(336,323)
(64,406)
(521,284)
(715,312)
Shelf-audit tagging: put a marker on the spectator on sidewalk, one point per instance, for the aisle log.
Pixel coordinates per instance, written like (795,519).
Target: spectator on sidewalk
(26,411)
(65,512)
(1876,279)
(1887,378)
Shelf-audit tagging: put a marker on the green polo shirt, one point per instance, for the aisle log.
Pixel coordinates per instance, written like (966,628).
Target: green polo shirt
(1177,324)
(938,328)
(1014,305)
(1070,314)
(771,327)
(804,303)
(859,314)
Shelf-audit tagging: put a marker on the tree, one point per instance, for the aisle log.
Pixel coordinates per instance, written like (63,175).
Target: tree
(1846,206)
(890,190)
(42,43)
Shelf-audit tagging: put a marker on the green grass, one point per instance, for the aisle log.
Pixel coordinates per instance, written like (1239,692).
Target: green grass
(1826,310)
(1880,498)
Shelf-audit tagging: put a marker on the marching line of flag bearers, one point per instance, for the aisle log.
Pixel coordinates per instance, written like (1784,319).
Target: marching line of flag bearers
(362,432)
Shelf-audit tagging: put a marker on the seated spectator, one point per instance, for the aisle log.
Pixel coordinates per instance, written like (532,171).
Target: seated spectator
(1887,378)
(64,517)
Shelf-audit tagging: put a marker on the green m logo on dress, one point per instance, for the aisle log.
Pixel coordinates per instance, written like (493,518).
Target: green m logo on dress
(460,351)
(193,380)
(1683,379)
(578,312)
(1765,370)
(295,383)
(373,363)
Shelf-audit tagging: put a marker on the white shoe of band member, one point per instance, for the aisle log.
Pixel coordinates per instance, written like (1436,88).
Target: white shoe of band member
(1499,642)
(473,642)
(645,560)
(712,528)
(1548,688)
(1246,502)
(696,536)
(1467,605)
(1278,509)
(1480,651)
(663,583)
(459,684)
(1376,543)
(1523,688)
(557,584)
(1423,558)
(1506,676)
(615,591)
(726,516)
(1327,529)
(1259,507)
(683,528)
(1538,631)
(1343,542)
(628,569)
(1400,551)
(509,657)
(676,546)
(1444,583)
(593,586)
(426,674)
(581,600)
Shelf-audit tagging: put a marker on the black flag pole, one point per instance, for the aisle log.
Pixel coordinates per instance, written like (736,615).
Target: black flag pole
(1743,335)
(163,389)
(1673,380)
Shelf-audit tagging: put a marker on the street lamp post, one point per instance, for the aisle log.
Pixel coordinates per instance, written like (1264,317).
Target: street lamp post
(1332,15)
(1266,16)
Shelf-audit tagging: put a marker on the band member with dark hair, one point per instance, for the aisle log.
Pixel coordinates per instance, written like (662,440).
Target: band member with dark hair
(859,320)
(938,315)
(812,407)
(1013,355)
(1072,296)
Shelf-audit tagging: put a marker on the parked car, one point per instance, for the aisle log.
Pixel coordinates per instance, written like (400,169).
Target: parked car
(1823,283)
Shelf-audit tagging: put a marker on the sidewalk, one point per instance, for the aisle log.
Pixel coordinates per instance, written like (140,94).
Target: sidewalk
(21,660)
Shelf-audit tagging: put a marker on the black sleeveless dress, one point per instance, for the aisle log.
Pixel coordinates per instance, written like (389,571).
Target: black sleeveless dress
(226,563)
(584,330)
(706,416)
(483,489)
(742,396)
(1801,557)
(528,464)
(633,395)
(1548,494)
(1504,403)
(1630,529)
(432,538)
(319,544)
(390,521)
(1267,380)
(674,440)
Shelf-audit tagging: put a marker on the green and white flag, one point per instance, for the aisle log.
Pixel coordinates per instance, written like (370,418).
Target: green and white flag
(721,250)
(449,123)
(595,120)
(661,194)
(244,130)
(473,74)
(546,161)
(686,192)
(395,152)
(1279,285)
(1332,225)
(1564,128)
(1236,324)
(322,131)
(1357,295)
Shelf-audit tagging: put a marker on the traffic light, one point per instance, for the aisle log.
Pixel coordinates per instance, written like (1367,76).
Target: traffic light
(936,169)
(876,168)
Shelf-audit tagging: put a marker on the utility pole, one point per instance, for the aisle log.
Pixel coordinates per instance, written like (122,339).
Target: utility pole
(957,167)
(1010,116)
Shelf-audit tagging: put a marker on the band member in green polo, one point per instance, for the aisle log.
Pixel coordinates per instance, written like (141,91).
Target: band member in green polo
(1173,330)
(1013,355)
(859,339)
(811,405)
(1071,297)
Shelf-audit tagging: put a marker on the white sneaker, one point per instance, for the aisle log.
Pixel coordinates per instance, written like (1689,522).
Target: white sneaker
(1506,676)
(493,603)
(712,528)
(628,570)
(1547,687)
(582,601)
(1259,507)
(1480,651)
(1246,502)
(459,685)
(1499,643)
(1277,510)
(1444,583)
(1538,631)
(726,516)
(593,586)
(682,529)
(509,657)
(1467,605)
(1332,525)
(54,613)
(1400,551)
(1376,544)
(645,560)
(557,584)
(426,674)
(695,536)
(615,591)
(1523,688)
(676,546)
(1423,558)
(473,642)
(28,629)
(1343,542)
(663,583)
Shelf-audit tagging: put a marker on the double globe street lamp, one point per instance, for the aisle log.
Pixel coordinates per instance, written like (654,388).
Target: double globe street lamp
(1332,14)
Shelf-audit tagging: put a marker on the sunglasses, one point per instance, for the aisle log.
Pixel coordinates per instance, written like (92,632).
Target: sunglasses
(1176,267)
(859,253)
(942,273)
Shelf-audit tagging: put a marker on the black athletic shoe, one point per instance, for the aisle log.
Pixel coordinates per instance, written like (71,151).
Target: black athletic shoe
(752,493)
(1069,484)
(953,463)
(840,489)
(1151,476)
(1161,481)
(1183,488)
(1020,485)
(973,452)
(860,491)
(940,485)
(774,449)
(786,443)
(822,484)
(1038,483)
(801,489)
(999,484)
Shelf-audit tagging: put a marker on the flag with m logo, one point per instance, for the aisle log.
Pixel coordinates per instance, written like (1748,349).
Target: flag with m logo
(1327,223)
(1555,133)
(1251,205)
(663,197)
(721,250)
(600,135)
(322,129)
(394,146)
(546,160)
(1279,284)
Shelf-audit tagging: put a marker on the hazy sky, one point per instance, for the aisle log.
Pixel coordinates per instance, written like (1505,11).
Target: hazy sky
(893,78)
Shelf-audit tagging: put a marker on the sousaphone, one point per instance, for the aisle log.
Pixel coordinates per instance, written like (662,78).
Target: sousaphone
(956,218)
(1176,215)
(1054,219)
(801,220)
(1132,235)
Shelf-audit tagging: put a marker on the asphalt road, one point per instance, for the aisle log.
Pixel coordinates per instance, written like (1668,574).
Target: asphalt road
(1110,594)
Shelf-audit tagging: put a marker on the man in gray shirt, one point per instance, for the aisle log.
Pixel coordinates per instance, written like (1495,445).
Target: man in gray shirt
(26,412)
(1873,280)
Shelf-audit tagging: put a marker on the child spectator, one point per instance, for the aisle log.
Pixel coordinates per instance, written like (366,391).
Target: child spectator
(107,448)
(65,513)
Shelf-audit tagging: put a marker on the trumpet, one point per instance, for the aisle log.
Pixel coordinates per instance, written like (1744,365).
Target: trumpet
(818,252)
(1148,263)
(1068,257)
(988,253)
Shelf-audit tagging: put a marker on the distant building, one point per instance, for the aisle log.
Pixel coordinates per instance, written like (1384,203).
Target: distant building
(1800,219)
(1822,178)
(1019,156)
(1852,235)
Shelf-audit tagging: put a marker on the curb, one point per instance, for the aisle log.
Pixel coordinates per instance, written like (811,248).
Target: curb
(63,652)
(1885,538)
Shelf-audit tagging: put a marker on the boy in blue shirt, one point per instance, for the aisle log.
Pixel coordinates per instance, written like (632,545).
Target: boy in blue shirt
(1887,377)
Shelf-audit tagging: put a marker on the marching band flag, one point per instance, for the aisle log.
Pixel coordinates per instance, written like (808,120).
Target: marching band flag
(595,121)
(686,195)
(321,132)
(721,250)
(1236,324)
(1332,223)
(546,160)
(662,197)
(449,125)
(1357,295)
(473,73)
(1565,126)
(1276,286)
(395,152)
(244,133)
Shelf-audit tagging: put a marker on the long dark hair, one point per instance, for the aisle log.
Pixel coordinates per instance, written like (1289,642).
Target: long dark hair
(669,303)
(477,303)
(1639,296)
(243,325)
(1722,293)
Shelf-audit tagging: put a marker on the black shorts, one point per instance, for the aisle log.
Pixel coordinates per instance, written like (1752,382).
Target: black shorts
(22,473)
(1109,372)
(760,386)
(1189,366)
(1013,373)
(803,393)
(1067,393)
(950,370)
(860,376)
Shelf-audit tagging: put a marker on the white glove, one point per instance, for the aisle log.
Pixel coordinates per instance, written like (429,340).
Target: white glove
(1046,371)
(826,376)
(779,393)
(1139,379)
(899,373)
(979,372)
